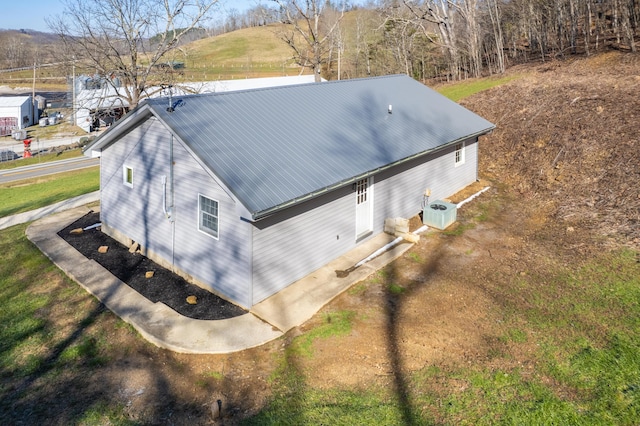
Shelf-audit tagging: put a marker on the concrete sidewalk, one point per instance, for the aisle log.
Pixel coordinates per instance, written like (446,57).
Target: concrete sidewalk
(161,325)
(30,216)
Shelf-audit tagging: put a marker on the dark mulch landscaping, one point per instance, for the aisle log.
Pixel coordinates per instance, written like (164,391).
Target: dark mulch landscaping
(130,268)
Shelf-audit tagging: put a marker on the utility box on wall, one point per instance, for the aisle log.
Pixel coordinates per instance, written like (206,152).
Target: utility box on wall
(439,214)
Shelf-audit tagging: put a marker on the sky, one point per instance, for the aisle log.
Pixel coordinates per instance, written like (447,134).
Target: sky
(30,14)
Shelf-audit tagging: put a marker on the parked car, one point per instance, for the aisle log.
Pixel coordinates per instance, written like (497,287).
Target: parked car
(8,155)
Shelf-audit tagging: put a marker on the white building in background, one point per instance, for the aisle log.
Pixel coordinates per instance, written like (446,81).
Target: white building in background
(98,103)
(16,112)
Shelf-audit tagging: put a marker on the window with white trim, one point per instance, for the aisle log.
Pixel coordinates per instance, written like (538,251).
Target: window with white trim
(208,216)
(127,176)
(459,153)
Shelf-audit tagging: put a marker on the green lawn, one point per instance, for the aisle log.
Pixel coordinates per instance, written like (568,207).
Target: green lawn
(30,194)
(44,158)
(40,355)
(584,325)
(460,90)
(578,325)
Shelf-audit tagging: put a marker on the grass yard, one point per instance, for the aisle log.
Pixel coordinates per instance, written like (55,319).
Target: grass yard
(460,90)
(567,353)
(42,158)
(30,194)
(48,339)
(579,329)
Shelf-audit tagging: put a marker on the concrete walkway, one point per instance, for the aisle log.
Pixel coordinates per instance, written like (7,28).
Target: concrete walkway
(166,328)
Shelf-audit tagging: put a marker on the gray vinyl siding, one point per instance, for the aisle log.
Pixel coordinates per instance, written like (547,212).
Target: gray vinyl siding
(221,265)
(287,249)
(311,235)
(399,191)
(137,212)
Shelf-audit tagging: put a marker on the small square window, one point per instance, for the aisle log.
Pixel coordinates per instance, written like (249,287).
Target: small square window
(208,216)
(127,176)
(459,153)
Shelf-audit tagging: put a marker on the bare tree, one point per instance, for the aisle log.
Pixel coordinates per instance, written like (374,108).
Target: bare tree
(123,41)
(626,18)
(233,20)
(16,53)
(362,53)
(313,23)
(440,13)
(468,10)
(495,15)
(399,37)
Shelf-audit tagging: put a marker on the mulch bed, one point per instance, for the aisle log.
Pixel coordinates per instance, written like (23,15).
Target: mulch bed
(130,268)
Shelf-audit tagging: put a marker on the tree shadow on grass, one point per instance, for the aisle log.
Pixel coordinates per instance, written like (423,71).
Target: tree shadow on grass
(394,299)
(68,381)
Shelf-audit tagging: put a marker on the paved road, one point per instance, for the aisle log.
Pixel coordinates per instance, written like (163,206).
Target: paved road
(37,145)
(48,168)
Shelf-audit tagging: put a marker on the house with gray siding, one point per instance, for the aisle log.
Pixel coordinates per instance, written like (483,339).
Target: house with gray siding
(246,192)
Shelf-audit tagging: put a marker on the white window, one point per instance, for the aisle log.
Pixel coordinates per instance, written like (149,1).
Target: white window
(459,153)
(208,216)
(127,176)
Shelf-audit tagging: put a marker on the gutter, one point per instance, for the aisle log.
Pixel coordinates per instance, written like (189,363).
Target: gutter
(272,210)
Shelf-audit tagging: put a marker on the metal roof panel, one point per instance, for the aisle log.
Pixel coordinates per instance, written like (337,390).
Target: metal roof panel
(276,145)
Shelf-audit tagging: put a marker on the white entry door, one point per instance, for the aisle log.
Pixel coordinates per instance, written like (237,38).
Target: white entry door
(364,204)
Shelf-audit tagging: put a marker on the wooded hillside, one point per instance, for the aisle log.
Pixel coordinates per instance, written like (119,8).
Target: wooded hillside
(452,39)
(476,37)
(427,39)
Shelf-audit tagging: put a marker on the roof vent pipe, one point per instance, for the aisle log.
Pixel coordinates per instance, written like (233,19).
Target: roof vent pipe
(390,108)
(170,107)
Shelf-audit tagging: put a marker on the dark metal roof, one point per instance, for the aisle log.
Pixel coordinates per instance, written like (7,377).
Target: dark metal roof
(274,147)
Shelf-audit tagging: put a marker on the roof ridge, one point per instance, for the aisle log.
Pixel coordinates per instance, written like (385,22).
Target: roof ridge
(288,86)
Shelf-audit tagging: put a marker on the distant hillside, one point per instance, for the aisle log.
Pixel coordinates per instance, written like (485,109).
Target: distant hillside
(32,35)
(20,48)
(261,52)
(245,53)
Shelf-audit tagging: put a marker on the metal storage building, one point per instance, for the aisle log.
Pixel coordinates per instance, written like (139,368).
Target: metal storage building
(97,99)
(16,112)
(246,192)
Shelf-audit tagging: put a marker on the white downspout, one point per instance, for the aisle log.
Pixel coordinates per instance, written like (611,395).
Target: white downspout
(171,189)
(172,204)
(165,210)
(168,211)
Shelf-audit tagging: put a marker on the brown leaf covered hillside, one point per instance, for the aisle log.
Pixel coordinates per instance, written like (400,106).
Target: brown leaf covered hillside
(567,140)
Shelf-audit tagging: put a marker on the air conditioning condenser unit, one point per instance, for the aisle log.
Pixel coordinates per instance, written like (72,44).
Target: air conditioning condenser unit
(439,214)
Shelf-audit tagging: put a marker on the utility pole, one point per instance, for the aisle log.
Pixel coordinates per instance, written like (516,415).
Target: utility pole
(34,109)
(73,91)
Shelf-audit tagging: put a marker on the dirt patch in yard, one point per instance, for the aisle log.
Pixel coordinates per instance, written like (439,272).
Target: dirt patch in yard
(563,170)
